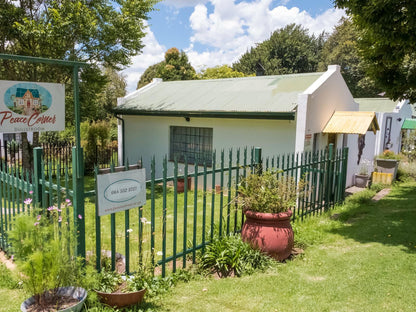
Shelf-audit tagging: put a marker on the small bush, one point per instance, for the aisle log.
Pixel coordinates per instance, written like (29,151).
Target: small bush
(406,171)
(229,256)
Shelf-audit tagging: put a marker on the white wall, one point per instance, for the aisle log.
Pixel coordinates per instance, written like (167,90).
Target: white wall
(146,136)
(316,106)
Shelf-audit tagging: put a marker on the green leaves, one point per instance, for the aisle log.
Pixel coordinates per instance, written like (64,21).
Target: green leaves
(288,50)
(103,33)
(387,42)
(229,256)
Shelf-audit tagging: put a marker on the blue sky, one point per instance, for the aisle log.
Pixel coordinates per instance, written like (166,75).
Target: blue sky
(217,32)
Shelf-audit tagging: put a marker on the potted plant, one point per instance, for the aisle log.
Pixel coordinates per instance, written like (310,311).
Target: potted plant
(118,290)
(362,177)
(41,242)
(267,200)
(387,162)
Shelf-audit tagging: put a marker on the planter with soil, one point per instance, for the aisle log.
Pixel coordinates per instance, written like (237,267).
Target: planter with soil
(64,299)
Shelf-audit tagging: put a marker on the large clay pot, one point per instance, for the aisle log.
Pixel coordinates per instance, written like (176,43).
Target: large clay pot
(120,300)
(180,187)
(77,293)
(270,232)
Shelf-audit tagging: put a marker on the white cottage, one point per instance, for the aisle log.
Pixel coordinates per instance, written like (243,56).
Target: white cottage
(280,114)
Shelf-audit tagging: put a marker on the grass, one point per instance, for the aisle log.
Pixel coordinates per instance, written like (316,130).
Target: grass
(359,257)
(134,224)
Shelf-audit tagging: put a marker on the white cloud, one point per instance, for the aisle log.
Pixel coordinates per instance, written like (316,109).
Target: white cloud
(228,31)
(152,53)
(232,28)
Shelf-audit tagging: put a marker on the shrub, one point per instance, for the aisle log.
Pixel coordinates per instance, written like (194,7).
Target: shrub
(267,192)
(229,255)
(406,171)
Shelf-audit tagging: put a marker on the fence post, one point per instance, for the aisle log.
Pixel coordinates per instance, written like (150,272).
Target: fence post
(37,173)
(258,160)
(78,200)
(328,191)
(344,172)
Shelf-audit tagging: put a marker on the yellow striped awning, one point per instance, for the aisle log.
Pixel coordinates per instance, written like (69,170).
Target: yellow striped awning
(352,123)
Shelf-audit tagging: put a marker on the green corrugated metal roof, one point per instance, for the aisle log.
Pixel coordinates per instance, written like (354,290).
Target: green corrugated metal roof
(220,97)
(379,105)
(409,124)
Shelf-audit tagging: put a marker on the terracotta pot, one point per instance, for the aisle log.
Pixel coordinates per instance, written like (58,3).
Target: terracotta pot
(120,300)
(269,232)
(75,292)
(180,188)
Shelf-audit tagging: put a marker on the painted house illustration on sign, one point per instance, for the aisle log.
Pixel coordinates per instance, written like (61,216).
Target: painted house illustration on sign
(27,101)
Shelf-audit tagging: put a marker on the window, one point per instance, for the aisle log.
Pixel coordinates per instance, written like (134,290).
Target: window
(192,142)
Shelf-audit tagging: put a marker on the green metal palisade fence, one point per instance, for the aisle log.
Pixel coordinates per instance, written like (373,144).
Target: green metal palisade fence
(172,228)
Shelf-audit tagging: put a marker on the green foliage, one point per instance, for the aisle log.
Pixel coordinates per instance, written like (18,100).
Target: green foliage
(148,75)
(58,137)
(97,134)
(229,255)
(387,154)
(218,72)
(377,187)
(104,33)
(114,88)
(8,280)
(176,66)
(288,50)
(42,245)
(409,145)
(387,43)
(267,192)
(406,171)
(341,48)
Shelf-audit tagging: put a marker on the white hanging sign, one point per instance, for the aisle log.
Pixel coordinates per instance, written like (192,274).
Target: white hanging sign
(121,191)
(31,106)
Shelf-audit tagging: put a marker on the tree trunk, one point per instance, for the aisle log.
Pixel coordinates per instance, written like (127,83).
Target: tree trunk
(27,154)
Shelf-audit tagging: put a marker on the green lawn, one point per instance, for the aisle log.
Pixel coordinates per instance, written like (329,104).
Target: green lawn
(360,257)
(364,259)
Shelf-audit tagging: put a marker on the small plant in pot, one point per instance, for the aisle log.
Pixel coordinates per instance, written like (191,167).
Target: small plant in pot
(362,177)
(118,290)
(267,199)
(42,240)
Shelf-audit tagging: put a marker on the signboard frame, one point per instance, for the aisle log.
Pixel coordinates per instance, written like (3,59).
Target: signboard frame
(120,191)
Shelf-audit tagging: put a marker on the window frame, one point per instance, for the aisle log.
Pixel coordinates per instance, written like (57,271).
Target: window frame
(194,142)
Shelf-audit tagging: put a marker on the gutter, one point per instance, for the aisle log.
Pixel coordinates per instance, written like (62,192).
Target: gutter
(208,114)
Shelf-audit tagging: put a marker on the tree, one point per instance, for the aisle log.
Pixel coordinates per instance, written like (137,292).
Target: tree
(115,88)
(103,33)
(149,74)
(288,50)
(387,43)
(176,66)
(218,72)
(341,49)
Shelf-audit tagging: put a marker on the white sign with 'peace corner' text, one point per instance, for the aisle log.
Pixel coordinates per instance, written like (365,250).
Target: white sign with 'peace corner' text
(120,191)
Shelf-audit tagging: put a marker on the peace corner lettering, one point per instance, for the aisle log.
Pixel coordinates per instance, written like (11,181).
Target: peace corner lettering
(33,120)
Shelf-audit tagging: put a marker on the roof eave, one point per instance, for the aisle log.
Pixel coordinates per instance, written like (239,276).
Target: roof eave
(208,114)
